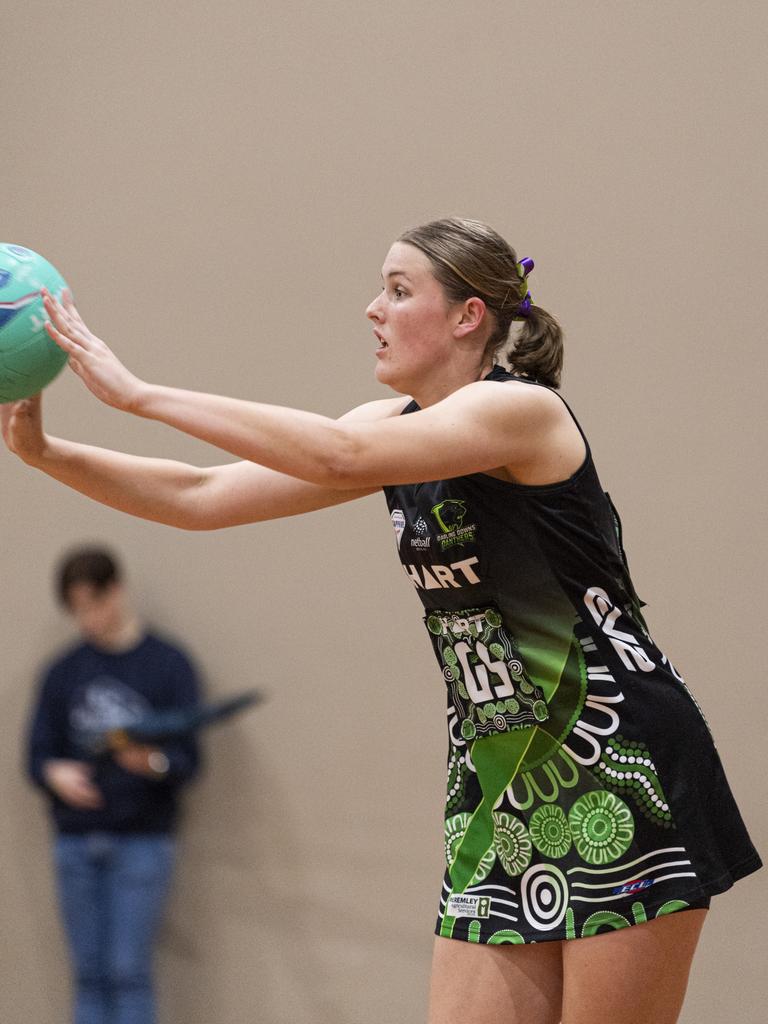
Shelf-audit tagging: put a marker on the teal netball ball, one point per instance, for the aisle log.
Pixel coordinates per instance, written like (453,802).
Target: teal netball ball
(28,358)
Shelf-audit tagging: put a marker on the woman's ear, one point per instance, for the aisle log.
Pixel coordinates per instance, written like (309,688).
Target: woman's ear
(472,316)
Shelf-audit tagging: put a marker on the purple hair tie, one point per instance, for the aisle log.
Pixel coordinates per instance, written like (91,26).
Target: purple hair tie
(524,267)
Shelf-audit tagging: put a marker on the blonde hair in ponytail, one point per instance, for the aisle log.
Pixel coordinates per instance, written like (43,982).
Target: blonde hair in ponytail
(469,258)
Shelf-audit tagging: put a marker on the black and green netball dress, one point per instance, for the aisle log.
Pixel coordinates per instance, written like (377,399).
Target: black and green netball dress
(585,792)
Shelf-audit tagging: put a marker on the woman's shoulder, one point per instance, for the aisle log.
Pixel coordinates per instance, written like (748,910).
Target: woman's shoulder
(525,403)
(557,446)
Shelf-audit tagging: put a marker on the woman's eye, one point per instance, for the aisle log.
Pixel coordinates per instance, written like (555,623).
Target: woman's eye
(399,292)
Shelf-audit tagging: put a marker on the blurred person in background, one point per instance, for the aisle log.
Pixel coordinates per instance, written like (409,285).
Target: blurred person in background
(113,802)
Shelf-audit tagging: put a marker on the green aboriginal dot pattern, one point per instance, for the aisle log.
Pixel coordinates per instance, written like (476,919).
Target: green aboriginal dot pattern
(670,907)
(484,867)
(512,843)
(639,914)
(602,826)
(455,827)
(550,832)
(506,935)
(457,779)
(626,767)
(603,919)
(488,684)
(599,921)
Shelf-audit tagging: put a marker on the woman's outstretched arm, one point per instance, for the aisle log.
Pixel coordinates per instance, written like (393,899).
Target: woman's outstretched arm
(170,492)
(477,428)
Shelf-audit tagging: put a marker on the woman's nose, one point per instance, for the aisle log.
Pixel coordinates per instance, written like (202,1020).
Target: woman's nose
(373,310)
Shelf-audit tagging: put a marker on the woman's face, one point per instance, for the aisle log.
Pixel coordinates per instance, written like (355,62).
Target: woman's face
(412,320)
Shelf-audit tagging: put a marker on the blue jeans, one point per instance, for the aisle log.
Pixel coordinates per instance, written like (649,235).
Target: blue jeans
(112,891)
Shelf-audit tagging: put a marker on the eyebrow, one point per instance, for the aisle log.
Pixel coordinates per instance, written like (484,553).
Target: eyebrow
(398,273)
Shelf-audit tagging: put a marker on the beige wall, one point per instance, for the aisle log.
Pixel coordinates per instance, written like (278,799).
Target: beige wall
(220,183)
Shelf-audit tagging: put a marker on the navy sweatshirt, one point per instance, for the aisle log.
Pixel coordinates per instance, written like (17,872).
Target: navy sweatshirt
(90,690)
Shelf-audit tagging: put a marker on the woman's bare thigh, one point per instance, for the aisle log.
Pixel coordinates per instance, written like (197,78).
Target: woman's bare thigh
(636,975)
(513,984)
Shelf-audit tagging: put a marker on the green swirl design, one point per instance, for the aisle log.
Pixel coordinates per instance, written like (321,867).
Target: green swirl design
(512,843)
(549,831)
(602,826)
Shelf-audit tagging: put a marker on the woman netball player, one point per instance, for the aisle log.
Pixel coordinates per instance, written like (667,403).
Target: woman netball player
(588,819)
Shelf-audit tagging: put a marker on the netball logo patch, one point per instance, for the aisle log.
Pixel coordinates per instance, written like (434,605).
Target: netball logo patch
(421,538)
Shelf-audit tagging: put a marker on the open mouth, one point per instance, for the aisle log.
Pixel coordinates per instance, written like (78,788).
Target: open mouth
(382,344)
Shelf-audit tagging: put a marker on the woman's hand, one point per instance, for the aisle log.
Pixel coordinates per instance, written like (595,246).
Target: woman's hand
(22,424)
(91,359)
